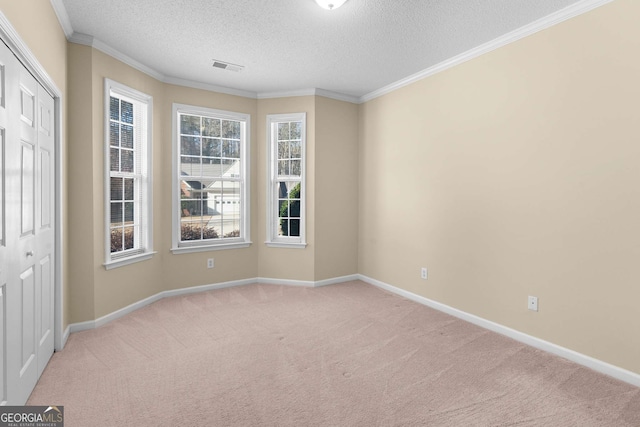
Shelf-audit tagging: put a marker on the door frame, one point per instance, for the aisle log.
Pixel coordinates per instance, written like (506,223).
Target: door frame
(12,39)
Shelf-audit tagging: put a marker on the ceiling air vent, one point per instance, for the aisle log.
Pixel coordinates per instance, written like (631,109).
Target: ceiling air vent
(227,66)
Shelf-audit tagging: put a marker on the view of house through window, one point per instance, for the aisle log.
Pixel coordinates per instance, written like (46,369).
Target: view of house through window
(211,177)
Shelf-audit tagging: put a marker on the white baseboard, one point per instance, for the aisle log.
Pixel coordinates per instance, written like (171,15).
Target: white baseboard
(579,358)
(91,324)
(287,282)
(307,283)
(336,280)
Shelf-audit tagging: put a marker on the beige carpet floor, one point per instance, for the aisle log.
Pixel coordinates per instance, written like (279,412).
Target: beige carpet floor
(341,355)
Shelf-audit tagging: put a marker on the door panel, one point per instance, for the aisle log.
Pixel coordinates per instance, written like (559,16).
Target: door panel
(28,315)
(27,181)
(46,291)
(46,189)
(27,105)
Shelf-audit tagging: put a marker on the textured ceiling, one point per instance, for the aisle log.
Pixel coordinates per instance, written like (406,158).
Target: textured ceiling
(294,45)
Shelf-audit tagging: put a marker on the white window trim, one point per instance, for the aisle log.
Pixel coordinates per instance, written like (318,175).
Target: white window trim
(147,163)
(199,246)
(273,240)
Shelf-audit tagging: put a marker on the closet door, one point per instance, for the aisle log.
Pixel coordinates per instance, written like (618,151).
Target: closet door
(27,256)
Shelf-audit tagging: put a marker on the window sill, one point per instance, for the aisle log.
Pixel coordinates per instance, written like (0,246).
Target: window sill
(286,245)
(206,248)
(128,260)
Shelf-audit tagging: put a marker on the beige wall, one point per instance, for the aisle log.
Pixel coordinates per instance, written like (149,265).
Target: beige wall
(281,263)
(517,174)
(37,25)
(336,189)
(80,188)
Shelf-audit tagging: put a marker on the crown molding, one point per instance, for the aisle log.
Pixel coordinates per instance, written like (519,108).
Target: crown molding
(310,92)
(88,40)
(338,96)
(209,87)
(286,93)
(63,17)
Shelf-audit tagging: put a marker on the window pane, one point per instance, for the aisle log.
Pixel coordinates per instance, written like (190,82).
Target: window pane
(116,189)
(296,128)
(283,167)
(128,238)
(295,168)
(116,240)
(283,210)
(127,160)
(283,131)
(128,212)
(211,127)
(127,136)
(296,151)
(190,125)
(283,229)
(212,167)
(231,210)
(114,108)
(127,112)
(190,146)
(294,200)
(231,149)
(211,147)
(294,208)
(128,188)
(115,159)
(190,166)
(283,150)
(191,230)
(294,228)
(236,130)
(230,129)
(116,213)
(114,134)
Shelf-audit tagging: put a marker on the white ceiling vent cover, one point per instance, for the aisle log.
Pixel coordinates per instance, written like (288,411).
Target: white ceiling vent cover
(227,66)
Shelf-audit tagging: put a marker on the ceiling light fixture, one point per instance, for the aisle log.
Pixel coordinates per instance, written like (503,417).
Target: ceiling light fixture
(330,4)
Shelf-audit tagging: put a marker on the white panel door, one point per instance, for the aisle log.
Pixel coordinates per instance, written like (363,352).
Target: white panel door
(27,257)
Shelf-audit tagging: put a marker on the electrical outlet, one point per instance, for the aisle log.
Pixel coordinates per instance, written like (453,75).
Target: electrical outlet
(424,273)
(210,263)
(532,303)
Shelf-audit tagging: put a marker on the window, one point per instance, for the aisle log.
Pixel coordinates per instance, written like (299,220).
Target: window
(286,203)
(211,186)
(128,190)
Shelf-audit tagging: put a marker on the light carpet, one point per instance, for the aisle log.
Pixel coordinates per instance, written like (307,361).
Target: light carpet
(340,355)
